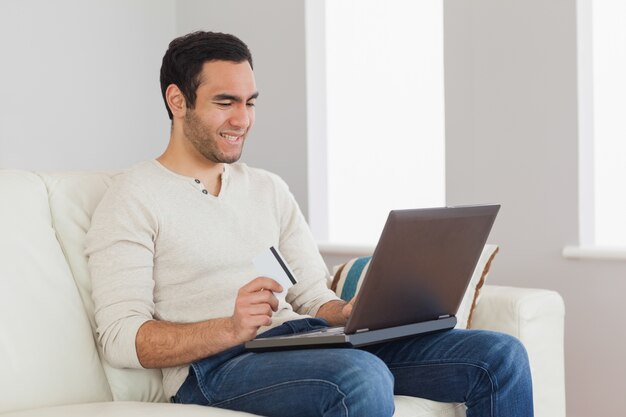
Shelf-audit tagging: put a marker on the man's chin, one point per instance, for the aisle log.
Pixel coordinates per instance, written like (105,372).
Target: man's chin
(230,160)
(223,159)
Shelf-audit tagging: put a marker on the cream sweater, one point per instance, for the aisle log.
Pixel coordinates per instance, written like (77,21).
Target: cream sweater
(160,248)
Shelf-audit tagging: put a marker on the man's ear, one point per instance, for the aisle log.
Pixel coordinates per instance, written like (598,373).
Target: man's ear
(176,101)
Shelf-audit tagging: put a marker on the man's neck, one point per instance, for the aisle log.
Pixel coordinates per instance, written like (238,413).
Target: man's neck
(194,166)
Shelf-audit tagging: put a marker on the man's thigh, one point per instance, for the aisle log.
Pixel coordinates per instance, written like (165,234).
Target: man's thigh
(446,366)
(298,382)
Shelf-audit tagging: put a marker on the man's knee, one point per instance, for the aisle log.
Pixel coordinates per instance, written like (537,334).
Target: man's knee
(512,351)
(507,358)
(367,384)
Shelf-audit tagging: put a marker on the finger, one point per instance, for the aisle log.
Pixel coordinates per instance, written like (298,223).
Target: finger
(259,310)
(263,283)
(347,310)
(273,302)
(262,297)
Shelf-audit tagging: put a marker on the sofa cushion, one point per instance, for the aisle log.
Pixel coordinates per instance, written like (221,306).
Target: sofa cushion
(129,409)
(405,407)
(73,198)
(47,351)
(348,278)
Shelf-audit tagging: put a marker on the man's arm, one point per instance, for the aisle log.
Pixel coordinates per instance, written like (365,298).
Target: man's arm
(163,344)
(336,312)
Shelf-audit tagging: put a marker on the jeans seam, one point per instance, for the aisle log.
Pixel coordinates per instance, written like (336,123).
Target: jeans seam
(492,378)
(299,381)
(199,385)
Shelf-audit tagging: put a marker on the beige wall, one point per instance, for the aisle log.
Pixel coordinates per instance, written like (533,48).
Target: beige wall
(80,82)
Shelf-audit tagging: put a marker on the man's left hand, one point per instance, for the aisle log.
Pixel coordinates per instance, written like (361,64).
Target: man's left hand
(347,309)
(336,312)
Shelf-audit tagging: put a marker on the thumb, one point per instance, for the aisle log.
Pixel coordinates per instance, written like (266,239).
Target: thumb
(347,309)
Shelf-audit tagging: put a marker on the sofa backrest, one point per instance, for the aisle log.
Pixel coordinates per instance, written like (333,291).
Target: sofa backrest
(48,354)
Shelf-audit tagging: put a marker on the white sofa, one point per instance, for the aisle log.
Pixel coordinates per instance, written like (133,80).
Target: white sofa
(50,364)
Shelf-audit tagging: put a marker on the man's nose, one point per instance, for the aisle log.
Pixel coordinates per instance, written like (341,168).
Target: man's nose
(240,117)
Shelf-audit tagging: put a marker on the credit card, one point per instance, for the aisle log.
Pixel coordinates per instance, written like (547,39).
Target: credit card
(271,264)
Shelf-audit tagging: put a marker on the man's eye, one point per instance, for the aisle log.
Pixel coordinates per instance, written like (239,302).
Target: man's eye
(224,103)
(249,104)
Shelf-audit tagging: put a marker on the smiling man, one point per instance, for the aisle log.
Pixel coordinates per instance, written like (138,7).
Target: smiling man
(214,128)
(170,254)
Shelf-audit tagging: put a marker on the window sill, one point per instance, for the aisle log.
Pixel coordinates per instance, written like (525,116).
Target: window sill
(338,249)
(598,253)
(569,252)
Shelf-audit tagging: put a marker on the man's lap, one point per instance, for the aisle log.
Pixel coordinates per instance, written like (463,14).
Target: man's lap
(276,383)
(435,366)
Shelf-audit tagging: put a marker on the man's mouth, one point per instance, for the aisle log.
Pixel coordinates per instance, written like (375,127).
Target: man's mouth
(231,138)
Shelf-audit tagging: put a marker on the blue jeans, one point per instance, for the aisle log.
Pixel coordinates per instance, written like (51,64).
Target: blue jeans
(487,371)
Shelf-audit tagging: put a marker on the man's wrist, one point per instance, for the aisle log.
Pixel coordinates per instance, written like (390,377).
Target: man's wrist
(230,334)
(332,312)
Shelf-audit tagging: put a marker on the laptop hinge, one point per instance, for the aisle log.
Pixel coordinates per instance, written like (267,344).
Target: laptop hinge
(362,330)
(445,316)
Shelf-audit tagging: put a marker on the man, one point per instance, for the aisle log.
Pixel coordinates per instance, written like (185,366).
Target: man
(170,251)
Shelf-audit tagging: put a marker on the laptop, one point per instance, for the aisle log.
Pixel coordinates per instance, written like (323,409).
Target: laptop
(415,282)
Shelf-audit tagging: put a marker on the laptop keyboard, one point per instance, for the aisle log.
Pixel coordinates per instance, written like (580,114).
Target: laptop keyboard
(313,333)
(328,330)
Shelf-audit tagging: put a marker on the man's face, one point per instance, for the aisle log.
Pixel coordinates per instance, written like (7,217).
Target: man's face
(224,112)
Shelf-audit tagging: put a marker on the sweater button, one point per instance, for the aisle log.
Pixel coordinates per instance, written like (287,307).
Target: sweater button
(197,181)
(205,192)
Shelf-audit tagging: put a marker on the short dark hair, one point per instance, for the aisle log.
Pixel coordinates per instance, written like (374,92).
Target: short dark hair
(183,60)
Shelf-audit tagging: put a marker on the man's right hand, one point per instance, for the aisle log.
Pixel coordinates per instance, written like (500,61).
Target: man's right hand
(162,344)
(254,307)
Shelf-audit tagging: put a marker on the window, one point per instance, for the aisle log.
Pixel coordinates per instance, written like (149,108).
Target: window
(609,121)
(601,130)
(376,113)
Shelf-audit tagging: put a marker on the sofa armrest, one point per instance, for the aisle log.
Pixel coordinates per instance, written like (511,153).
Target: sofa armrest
(536,318)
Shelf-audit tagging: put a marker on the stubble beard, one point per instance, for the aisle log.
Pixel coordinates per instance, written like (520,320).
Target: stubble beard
(205,142)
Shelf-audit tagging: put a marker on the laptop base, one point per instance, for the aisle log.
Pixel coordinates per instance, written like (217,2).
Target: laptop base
(320,340)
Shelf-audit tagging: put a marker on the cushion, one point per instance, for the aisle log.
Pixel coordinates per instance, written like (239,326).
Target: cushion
(73,197)
(347,281)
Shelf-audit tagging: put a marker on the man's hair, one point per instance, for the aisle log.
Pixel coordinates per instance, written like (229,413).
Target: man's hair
(183,60)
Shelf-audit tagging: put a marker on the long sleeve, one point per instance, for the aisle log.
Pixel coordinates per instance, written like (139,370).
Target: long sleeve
(120,247)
